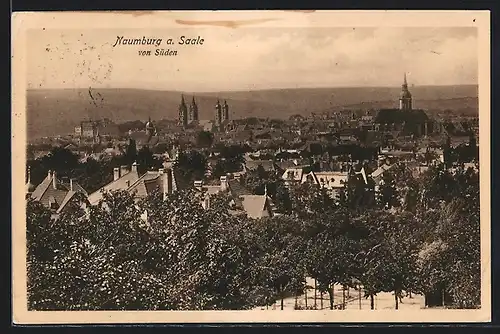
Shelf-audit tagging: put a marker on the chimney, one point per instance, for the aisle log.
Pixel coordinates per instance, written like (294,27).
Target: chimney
(134,167)
(168,164)
(54,180)
(223,183)
(198,184)
(116,173)
(71,184)
(167,182)
(123,170)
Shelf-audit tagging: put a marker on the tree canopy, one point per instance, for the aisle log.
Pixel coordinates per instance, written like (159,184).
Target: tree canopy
(172,254)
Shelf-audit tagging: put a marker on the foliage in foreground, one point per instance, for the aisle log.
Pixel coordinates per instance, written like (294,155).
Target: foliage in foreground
(183,257)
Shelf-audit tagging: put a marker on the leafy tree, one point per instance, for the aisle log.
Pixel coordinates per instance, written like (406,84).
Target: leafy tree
(204,139)
(450,259)
(191,165)
(308,198)
(131,152)
(332,247)
(147,160)
(399,255)
(280,270)
(97,262)
(230,160)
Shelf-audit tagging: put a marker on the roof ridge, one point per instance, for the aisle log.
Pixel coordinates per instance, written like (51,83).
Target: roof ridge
(115,181)
(43,187)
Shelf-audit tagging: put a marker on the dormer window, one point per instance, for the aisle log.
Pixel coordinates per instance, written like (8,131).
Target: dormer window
(53,203)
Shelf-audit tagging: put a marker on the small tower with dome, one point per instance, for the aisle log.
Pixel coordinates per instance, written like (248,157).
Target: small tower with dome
(29,186)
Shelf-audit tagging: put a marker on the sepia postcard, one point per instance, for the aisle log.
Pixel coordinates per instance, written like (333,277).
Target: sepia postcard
(251,167)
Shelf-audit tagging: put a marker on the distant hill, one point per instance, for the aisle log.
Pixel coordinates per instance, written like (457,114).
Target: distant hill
(466,105)
(56,112)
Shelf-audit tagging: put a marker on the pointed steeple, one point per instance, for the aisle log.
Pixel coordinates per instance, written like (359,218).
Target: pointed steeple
(183,112)
(193,111)
(405,100)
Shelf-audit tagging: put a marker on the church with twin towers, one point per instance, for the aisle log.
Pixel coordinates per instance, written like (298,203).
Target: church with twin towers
(189,115)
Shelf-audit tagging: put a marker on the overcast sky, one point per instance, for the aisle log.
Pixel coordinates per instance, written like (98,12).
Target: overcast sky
(255,58)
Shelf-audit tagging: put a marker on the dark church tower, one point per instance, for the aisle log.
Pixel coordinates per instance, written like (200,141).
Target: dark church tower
(218,114)
(150,128)
(405,98)
(183,113)
(225,112)
(193,111)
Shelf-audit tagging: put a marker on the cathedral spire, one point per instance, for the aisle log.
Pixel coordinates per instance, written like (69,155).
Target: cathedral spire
(183,112)
(193,111)
(405,100)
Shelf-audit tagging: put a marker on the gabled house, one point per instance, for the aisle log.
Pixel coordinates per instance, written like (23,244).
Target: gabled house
(122,180)
(257,206)
(267,165)
(295,174)
(163,180)
(254,206)
(334,182)
(327,180)
(54,193)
